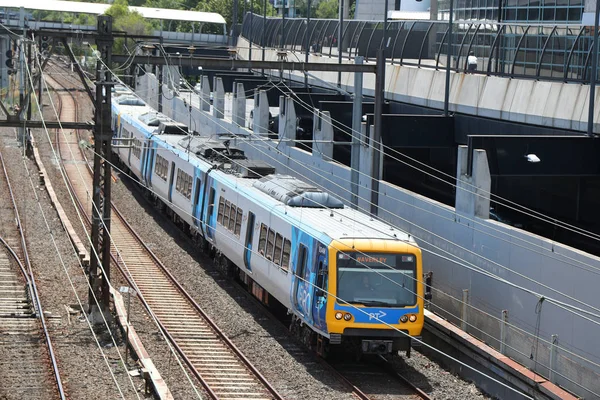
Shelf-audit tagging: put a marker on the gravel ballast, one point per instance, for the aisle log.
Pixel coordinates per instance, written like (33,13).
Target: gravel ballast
(294,372)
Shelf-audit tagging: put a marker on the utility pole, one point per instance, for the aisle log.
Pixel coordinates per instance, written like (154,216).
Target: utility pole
(376,138)
(101,187)
(356,132)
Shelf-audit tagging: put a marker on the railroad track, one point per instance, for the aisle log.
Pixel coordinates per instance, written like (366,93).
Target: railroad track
(215,361)
(28,368)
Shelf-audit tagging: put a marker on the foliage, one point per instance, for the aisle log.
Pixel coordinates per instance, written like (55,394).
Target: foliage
(128,21)
(327,9)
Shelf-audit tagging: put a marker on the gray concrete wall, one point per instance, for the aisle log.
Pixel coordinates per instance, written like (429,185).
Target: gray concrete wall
(553,104)
(465,251)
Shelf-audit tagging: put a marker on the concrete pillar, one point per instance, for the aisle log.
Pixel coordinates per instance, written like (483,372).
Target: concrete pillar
(261,113)
(323,136)
(238,109)
(205,94)
(287,121)
(473,192)
(219,99)
(365,166)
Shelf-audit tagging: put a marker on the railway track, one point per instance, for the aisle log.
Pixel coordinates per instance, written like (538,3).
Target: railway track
(28,368)
(215,361)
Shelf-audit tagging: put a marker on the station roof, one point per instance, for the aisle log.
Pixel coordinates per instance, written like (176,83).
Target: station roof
(100,8)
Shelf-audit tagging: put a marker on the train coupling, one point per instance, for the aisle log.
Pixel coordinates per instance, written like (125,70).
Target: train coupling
(377,346)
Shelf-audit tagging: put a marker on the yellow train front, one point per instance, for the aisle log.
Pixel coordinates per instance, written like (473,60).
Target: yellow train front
(375,297)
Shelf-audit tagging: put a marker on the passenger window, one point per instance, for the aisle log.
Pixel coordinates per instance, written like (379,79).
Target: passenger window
(221,206)
(278,246)
(262,241)
(238,221)
(226,213)
(285,259)
(270,244)
(232,217)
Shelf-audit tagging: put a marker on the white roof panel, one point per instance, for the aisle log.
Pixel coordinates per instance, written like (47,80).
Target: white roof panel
(99,8)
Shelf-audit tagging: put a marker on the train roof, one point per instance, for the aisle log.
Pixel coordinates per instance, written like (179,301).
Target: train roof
(315,211)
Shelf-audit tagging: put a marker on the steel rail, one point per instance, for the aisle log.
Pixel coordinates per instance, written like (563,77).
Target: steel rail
(209,387)
(30,278)
(390,370)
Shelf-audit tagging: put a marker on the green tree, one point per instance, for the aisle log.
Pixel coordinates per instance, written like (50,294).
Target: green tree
(327,9)
(128,21)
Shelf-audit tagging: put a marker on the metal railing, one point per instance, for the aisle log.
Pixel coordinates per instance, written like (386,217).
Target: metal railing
(546,52)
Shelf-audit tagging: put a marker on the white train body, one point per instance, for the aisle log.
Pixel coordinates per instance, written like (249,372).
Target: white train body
(288,239)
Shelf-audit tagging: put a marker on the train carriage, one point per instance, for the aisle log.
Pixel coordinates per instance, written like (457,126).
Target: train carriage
(344,277)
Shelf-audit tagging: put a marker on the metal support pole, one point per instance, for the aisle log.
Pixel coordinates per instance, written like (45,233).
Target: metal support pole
(307,40)
(264,30)
(385,23)
(251,30)
(464,310)
(377,134)
(29,88)
(340,33)
(282,24)
(234,21)
(101,187)
(503,328)
(159,77)
(553,350)
(356,131)
(594,71)
(448,59)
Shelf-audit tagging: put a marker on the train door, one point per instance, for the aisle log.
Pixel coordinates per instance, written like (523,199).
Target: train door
(300,292)
(248,243)
(171,179)
(319,305)
(149,164)
(129,146)
(209,221)
(195,205)
(143,162)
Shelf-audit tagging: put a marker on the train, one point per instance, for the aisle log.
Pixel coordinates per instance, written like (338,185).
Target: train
(345,278)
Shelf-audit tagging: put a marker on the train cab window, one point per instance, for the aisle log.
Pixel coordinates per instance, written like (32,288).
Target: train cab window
(226,213)
(278,248)
(221,208)
(270,244)
(232,217)
(262,240)
(238,221)
(285,258)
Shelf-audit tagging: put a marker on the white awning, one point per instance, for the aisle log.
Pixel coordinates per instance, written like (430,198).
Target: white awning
(100,8)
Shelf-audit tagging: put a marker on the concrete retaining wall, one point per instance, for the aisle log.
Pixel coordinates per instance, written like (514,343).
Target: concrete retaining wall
(467,252)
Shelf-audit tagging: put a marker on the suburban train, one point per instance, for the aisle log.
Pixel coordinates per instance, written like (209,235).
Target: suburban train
(345,278)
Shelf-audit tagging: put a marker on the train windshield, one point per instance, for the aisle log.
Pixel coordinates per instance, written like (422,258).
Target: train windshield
(377,279)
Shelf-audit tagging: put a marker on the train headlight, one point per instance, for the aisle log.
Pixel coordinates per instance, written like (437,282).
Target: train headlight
(347,316)
(404,319)
(412,318)
(338,315)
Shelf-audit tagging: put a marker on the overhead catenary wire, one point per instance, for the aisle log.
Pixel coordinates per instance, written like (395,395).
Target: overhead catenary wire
(94,251)
(562,305)
(449,241)
(475,191)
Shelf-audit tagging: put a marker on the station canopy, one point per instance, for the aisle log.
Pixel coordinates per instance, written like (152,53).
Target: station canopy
(100,8)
